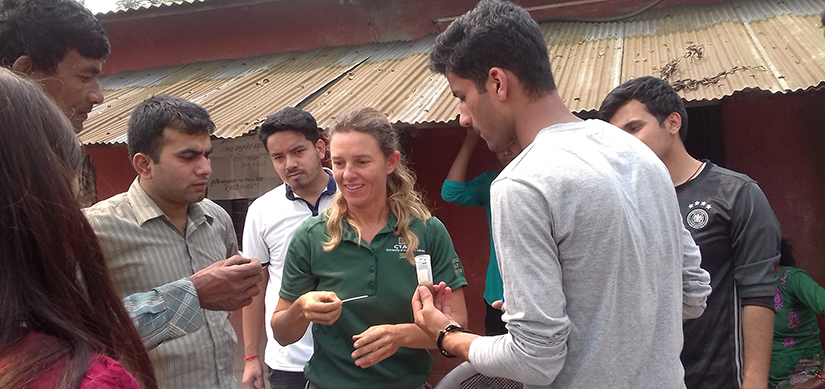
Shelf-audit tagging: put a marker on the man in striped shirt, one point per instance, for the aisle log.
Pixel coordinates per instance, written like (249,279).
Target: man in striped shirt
(163,230)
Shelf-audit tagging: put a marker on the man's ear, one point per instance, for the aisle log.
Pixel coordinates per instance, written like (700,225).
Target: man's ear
(498,83)
(143,165)
(673,123)
(23,64)
(321,146)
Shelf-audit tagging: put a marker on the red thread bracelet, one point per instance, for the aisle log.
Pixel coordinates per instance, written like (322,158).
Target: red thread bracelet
(251,357)
(818,375)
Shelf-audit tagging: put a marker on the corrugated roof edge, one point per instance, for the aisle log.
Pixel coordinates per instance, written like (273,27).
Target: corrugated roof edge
(121,141)
(171,8)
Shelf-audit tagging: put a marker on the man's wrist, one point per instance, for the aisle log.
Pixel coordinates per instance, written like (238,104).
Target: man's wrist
(442,334)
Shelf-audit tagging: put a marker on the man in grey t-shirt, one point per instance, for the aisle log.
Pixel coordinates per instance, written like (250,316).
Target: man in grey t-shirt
(598,271)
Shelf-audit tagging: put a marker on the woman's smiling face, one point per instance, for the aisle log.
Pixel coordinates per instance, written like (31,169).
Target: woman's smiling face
(361,169)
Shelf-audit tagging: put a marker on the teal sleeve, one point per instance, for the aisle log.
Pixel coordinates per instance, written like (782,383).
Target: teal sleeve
(446,265)
(474,193)
(806,290)
(297,276)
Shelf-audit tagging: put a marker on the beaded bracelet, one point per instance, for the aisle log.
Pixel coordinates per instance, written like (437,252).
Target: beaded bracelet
(450,328)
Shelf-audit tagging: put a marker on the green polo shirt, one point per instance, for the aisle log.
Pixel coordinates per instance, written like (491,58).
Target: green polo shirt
(380,270)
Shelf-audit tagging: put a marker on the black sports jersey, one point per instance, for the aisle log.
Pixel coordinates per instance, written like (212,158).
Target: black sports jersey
(738,234)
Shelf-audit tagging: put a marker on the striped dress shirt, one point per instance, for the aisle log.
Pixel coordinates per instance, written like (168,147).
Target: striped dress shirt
(145,251)
(166,312)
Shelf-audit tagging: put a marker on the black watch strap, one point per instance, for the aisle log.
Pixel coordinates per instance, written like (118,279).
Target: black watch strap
(450,328)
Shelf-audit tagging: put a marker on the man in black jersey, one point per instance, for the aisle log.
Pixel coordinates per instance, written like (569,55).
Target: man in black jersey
(730,219)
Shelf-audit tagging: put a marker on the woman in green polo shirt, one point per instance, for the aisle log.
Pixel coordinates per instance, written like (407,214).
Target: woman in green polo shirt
(364,245)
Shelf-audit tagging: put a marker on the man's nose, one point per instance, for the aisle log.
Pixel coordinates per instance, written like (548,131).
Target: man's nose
(95,94)
(291,162)
(464,120)
(204,168)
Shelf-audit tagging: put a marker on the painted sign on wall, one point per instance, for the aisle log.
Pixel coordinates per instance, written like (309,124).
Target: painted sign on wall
(241,169)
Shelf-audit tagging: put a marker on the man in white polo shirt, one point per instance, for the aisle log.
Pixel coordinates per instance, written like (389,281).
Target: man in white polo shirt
(292,139)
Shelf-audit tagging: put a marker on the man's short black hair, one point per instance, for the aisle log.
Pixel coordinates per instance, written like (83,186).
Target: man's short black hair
(46,30)
(659,98)
(495,34)
(153,115)
(290,119)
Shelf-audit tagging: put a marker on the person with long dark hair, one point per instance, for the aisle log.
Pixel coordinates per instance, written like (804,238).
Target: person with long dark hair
(62,325)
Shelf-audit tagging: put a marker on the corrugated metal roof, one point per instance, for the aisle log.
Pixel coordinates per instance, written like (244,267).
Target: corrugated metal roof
(586,59)
(395,80)
(175,3)
(712,51)
(239,94)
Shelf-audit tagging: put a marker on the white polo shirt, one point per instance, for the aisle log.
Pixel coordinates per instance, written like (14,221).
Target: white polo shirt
(270,223)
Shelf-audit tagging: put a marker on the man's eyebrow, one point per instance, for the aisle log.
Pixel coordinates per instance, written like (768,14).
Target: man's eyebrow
(190,150)
(634,122)
(92,69)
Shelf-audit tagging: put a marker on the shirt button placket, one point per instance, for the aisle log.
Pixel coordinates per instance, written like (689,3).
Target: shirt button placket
(371,269)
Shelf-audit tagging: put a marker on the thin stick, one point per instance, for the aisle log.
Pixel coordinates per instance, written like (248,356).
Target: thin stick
(354,298)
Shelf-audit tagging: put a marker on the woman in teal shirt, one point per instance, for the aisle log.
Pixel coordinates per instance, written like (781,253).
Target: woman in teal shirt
(797,352)
(364,245)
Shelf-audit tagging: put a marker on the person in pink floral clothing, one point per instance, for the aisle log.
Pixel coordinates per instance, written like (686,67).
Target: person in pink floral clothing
(797,352)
